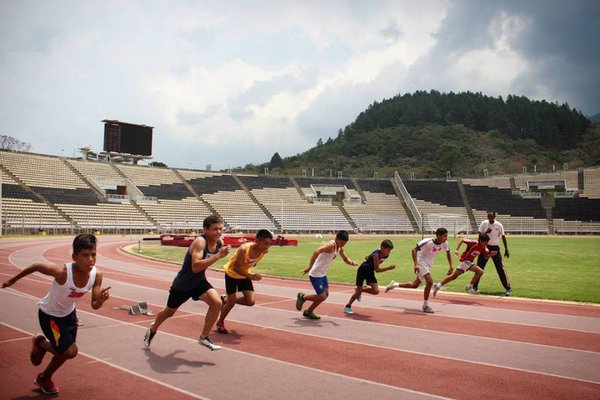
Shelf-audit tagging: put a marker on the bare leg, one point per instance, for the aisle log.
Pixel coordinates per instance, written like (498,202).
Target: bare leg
(232,300)
(59,358)
(211,297)
(428,285)
(410,285)
(357,292)
(457,272)
(161,317)
(316,299)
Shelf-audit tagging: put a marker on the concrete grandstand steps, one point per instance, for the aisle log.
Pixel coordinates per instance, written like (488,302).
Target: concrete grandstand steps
(196,195)
(38,196)
(297,186)
(259,204)
(100,195)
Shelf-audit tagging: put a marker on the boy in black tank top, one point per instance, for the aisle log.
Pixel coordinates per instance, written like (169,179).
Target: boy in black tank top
(191,282)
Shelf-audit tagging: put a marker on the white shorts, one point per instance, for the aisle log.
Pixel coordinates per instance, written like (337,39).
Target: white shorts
(465,265)
(423,270)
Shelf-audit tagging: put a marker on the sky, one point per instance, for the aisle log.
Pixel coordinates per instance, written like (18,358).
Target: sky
(227,83)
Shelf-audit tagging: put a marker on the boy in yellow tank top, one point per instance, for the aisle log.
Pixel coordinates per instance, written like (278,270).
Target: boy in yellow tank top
(239,277)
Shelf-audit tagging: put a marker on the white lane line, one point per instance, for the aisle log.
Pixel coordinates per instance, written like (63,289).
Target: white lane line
(107,362)
(122,323)
(118,324)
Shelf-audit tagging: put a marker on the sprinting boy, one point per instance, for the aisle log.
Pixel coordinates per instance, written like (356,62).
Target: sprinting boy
(238,275)
(366,273)
(317,271)
(57,313)
(191,282)
(423,257)
(474,249)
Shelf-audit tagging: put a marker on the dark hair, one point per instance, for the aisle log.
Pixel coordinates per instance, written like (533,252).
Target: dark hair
(441,231)
(483,237)
(342,235)
(264,234)
(387,243)
(83,241)
(210,220)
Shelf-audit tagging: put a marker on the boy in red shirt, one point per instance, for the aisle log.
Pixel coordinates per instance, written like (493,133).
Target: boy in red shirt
(474,249)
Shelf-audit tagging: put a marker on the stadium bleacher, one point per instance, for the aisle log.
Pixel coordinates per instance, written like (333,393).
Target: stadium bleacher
(56,194)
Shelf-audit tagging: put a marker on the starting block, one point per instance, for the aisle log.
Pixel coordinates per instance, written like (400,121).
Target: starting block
(139,309)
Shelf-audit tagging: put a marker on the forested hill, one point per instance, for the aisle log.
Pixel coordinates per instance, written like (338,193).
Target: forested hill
(427,134)
(546,123)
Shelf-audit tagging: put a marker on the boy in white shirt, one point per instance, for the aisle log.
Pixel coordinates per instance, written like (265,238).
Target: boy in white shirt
(57,313)
(317,270)
(423,255)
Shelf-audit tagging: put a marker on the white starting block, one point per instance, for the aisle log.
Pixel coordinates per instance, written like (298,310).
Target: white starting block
(139,309)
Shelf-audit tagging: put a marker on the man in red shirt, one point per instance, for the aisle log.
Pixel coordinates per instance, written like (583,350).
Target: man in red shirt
(474,249)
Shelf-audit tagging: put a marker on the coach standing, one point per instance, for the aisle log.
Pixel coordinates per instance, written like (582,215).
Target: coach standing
(495,230)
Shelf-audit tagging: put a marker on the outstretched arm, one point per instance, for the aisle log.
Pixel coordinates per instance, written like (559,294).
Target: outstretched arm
(53,270)
(460,242)
(326,248)
(346,259)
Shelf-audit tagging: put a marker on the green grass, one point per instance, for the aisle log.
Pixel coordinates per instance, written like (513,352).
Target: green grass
(545,267)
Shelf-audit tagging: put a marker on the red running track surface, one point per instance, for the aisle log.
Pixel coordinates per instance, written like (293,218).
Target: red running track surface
(473,347)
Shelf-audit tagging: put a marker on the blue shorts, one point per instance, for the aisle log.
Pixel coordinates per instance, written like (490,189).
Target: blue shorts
(60,331)
(320,284)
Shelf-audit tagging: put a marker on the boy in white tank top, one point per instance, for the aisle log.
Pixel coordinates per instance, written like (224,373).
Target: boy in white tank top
(319,263)
(57,313)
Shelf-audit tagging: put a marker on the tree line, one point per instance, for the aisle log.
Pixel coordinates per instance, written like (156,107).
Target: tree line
(431,134)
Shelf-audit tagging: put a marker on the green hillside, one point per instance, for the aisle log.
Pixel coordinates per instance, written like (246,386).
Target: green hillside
(430,133)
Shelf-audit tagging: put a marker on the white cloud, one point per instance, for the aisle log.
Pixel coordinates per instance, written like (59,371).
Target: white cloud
(228,83)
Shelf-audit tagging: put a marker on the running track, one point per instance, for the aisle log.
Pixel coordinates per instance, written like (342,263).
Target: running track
(473,347)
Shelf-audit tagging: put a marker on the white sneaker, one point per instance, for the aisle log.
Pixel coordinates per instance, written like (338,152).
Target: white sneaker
(427,309)
(208,343)
(471,290)
(436,287)
(391,286)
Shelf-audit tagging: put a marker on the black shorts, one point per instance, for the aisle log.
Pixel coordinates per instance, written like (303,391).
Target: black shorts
(177,298)
(365,275)
(233,285)
(60,331)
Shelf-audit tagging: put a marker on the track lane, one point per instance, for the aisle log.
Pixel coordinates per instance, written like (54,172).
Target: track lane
(249,334)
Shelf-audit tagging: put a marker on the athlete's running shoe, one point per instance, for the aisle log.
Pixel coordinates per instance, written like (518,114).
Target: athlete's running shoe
(471,290)
(46,385)
(436,287)
(508,292)
(221,328)
(427,309)
(390,286)
(348,310)
(205,341)
(311,315)
(37,352)
(149,336)
(299,301)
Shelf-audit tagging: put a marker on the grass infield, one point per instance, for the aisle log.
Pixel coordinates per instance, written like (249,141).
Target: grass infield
(543,267)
